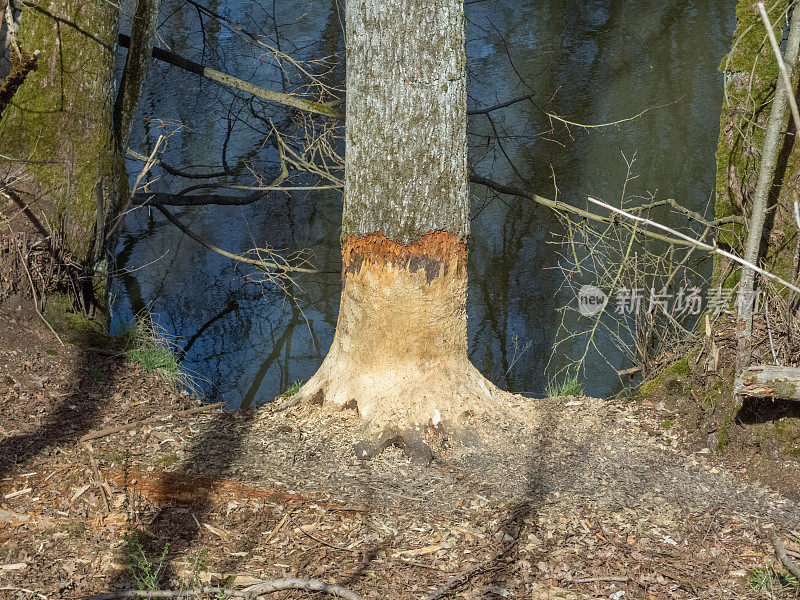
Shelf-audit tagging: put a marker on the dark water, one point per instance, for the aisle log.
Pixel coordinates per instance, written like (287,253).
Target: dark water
(591,62)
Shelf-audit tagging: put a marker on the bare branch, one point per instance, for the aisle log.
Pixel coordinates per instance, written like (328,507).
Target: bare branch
(239,84)
(277,266)
(258,589)
(694,242)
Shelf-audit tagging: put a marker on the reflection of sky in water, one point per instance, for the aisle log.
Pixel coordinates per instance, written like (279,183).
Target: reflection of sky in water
(592,62)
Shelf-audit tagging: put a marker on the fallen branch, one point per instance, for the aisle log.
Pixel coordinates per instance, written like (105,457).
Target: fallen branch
(770,381)
(258,589)
(109,430)
(240,84)
(599,579)
(785,560)
(467,574)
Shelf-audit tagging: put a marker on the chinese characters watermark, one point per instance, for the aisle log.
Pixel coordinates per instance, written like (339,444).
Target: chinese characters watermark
(690,300)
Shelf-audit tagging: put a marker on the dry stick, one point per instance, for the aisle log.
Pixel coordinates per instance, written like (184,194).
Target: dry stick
(693,242)
(755,229)
(263,587)
(598,579)
(781,554)
(33,289)
(109,430)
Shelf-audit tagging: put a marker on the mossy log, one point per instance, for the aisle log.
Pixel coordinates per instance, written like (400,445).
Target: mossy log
(771,381)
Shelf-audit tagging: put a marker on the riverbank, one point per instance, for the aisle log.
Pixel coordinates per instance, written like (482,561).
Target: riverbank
(107,469)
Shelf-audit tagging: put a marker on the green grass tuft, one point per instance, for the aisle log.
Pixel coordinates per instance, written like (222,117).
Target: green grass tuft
(292,389)
(767,578)
(154,350)
(570,386)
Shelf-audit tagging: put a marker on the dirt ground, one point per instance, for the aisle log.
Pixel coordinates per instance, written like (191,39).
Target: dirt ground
(105,470)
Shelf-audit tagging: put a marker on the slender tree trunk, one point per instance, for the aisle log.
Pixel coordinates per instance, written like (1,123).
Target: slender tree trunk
(399,355)
(769,156)
(137,64)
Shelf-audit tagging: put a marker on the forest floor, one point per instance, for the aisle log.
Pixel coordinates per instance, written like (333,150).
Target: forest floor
(107,473)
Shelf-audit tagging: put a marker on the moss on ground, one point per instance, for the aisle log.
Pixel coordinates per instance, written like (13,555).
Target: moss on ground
(77,328)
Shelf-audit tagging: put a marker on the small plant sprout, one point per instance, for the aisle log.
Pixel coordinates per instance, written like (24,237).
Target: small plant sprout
(292,389)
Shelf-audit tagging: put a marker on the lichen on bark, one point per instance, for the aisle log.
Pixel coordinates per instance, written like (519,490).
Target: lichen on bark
(413,82)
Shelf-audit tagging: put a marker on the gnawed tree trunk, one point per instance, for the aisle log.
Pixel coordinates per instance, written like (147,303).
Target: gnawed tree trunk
(399,355)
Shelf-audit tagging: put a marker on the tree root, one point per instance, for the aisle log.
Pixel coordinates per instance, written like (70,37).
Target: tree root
(783,557)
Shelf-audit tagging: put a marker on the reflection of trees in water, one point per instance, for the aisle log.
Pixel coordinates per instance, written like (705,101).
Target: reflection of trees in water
(246,340)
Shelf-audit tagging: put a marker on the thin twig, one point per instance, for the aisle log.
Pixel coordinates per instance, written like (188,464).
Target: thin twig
(693,242)
(769,332)
(598,579)
(787,79)
(33,288)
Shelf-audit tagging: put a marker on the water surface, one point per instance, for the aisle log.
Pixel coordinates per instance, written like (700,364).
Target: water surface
(591,62)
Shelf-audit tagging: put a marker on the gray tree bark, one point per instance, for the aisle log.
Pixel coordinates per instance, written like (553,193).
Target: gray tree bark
(406,160)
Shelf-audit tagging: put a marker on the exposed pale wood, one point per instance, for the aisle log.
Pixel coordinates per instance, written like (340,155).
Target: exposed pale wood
(771,381)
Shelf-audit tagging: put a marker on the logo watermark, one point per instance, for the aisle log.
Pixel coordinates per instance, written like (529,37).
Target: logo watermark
(684,301)
(591,300)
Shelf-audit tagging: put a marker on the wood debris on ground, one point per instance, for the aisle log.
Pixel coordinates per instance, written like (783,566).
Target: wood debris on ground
(568,500)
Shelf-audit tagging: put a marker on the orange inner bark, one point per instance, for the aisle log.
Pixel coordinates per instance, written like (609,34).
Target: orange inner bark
(434,248)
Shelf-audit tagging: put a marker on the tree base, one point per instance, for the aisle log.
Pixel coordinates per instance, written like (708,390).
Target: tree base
(418,411)
(399,355)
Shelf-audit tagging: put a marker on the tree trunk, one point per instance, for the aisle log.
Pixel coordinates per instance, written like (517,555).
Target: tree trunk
(58,125)
(137,64)
(399,355)
(752,251)
(116,195)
